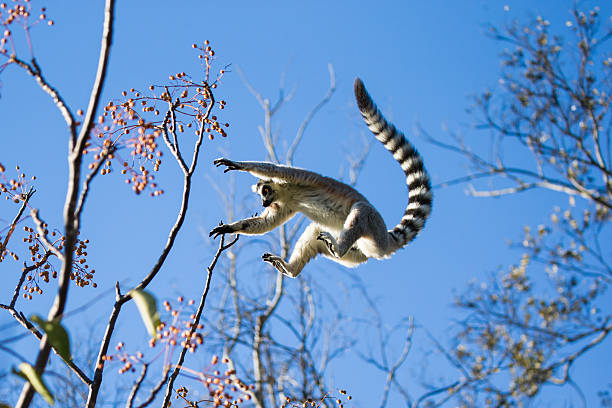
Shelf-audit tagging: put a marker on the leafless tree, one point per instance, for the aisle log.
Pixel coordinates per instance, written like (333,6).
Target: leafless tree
(549,123)
(281,337)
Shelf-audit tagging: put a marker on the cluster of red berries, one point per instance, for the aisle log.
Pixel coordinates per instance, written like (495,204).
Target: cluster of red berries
(14,190)
(225,389)
(9,188)
(310,402)
(81,273)
(41,270)
(19,12)
(171,334)
(125,358)
(137,121)
(179,329)
(122,126)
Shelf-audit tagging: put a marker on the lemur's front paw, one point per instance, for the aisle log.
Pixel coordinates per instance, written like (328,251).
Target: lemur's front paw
(221,229)
(329,241)
(230,165)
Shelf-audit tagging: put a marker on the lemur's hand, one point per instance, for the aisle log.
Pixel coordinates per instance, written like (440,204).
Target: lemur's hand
(220,230)
(230,165)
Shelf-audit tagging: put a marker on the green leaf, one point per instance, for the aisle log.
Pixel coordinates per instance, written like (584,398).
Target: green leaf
(147,306)
(27,371)
(56,334)
(3,405)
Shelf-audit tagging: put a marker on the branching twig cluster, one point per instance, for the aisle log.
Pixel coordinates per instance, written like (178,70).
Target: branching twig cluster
(553,108)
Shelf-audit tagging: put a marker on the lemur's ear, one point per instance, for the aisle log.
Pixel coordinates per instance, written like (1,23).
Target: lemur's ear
(254,188)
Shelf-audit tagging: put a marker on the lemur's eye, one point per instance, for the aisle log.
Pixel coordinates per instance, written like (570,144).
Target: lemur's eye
(265,190)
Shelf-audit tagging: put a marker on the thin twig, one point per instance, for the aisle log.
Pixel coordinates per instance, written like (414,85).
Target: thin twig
(173,147)
(25,322)
(182,212)
(433,392)
(94,171)
(306,122)
(356,164)
(136,387)
(157,388)
(13,353)
(196,321)
(11,229)
(24,273)
(173,129)
(258,337)
(391,371)
(110,327)
(266,131)
(42,235)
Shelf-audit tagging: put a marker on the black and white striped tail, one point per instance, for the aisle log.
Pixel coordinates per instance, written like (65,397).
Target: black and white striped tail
(419,187)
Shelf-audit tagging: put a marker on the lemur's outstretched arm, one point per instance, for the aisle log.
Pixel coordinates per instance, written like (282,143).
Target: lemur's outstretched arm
(269,171)
(272,217)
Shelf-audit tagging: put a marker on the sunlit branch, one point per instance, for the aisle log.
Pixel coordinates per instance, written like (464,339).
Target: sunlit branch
(70,222)
(35,71)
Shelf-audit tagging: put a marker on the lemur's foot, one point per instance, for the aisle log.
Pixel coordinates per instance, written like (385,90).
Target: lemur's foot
(278,263)
(275,261)
(329,241)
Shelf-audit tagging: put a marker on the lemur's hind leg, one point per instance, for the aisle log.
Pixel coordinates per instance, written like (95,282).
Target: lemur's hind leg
(306,248)
(365,224)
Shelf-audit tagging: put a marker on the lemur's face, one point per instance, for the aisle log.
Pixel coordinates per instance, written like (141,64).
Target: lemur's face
(267,190)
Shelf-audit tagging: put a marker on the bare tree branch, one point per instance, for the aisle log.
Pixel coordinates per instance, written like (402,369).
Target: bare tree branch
(157,388)
(137,384)
(35,71)
(71,224)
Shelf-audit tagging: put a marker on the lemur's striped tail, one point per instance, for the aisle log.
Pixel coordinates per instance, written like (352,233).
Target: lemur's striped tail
(419,187)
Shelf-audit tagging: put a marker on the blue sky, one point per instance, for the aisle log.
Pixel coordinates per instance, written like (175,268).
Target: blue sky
(421,62)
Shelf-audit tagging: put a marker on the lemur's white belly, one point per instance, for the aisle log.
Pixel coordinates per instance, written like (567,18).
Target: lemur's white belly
(332,219)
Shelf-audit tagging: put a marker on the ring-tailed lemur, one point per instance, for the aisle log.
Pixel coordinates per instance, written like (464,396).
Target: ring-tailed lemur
(345,226)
